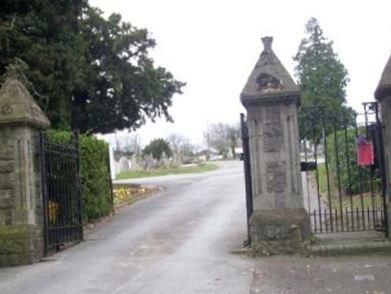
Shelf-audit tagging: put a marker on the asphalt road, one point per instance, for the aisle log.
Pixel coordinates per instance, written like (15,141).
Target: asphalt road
(179,240)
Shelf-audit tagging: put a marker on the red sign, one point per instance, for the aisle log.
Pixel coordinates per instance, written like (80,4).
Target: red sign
(365,154)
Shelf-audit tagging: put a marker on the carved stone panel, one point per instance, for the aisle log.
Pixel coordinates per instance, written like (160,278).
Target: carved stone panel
(6,198)
(267,83)
(6,166)
(6,109)
(273,138)
(272,114)
(6,148)
(272,130)
(7,181)
(276,177)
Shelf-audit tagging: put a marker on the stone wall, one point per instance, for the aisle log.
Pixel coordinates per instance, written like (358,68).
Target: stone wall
(21,221)
(383,95)
(274,140)
(21,211)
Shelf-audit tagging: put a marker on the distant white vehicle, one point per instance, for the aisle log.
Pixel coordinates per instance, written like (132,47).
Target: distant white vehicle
(214,157)
(239,152)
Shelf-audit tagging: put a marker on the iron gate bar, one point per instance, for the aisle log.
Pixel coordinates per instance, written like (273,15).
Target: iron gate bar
(305,166)
(383,171)
(317,182)
(338,177)
(78,181)
(360,171)
(349,171)
(371,184)
(353,201)
(247,175)
(61,192)
(44,190)
(381,160)
(371,172)
(327,172)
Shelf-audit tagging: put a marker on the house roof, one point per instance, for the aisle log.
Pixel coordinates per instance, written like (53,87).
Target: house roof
(269,79)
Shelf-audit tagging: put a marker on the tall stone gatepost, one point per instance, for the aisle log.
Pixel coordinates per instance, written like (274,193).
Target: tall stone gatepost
(21,221)
(279,223)
(383,96)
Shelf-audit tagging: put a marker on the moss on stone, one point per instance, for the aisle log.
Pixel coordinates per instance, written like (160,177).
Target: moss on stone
(16,245)
(279,231)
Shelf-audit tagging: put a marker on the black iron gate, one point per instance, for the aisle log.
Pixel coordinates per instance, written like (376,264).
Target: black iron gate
(247,174)
(344,184)
(61,192)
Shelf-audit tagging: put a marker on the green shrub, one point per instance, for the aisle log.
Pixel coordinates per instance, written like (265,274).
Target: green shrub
(353,179)
(158,147)
(95,176)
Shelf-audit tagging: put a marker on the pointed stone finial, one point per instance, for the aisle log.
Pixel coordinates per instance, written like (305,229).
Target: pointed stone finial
(17,106)
(267,43)
(269,80)
(16,69)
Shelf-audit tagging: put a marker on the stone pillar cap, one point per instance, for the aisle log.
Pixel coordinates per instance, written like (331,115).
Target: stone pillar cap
(384,87)
(269,80)
(18,107)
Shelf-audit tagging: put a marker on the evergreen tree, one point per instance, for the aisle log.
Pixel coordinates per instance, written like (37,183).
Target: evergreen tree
(157,147)
(322,78)
(96,72)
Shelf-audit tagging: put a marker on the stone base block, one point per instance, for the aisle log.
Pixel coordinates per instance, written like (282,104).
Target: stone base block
(279,231)
(20,245)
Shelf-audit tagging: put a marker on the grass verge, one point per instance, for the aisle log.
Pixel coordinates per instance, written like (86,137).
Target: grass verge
(358,200)
(133,174)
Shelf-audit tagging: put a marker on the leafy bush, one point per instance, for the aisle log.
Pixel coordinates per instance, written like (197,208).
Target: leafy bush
(95,177)
(342,149)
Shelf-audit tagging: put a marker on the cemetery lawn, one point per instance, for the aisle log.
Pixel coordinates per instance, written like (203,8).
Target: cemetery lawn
(133,174)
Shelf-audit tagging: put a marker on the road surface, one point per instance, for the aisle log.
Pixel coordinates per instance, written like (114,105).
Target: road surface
(176,241)
(180,241)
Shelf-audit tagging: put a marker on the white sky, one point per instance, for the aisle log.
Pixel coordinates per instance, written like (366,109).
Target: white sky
(213,46)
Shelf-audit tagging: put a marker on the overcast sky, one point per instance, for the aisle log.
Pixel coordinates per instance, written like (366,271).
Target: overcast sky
(214,44)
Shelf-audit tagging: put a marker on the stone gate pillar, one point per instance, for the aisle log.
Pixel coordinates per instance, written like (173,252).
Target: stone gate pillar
(21,221)
(279,223)
(383,96)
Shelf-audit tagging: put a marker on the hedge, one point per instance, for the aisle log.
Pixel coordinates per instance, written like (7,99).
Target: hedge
(95,175)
